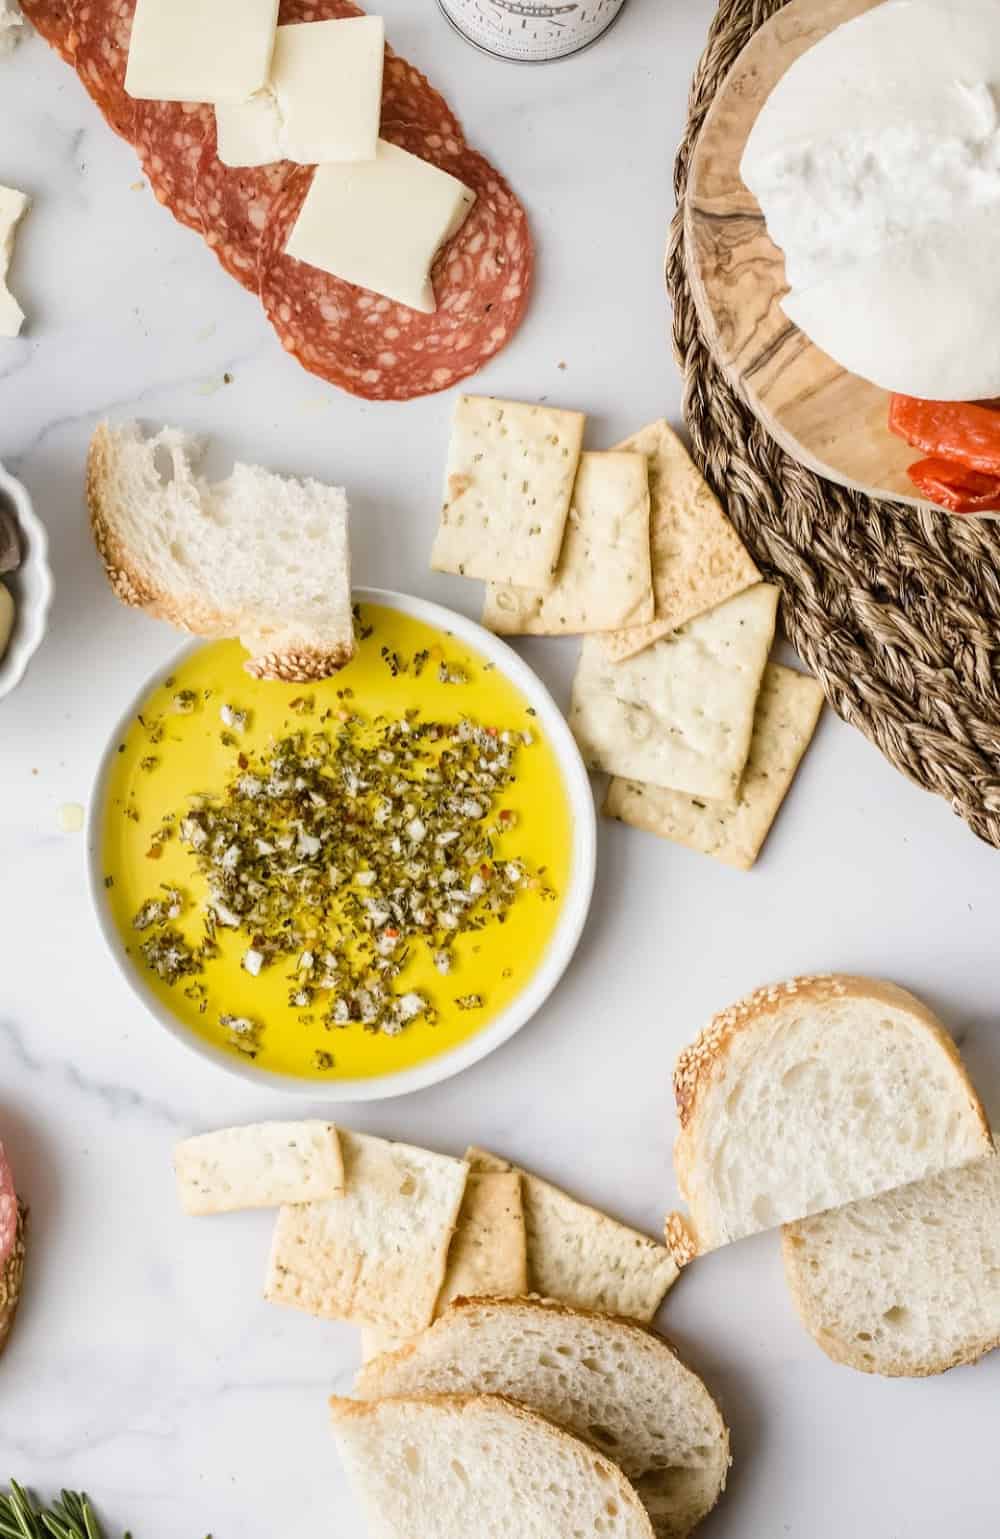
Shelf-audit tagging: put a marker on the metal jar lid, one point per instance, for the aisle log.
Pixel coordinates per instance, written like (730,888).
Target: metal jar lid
(492,26)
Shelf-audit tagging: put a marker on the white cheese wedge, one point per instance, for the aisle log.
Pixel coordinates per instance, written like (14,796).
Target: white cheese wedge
(193,51)
(11,22)
(380,223)
(323,102)
(13,206)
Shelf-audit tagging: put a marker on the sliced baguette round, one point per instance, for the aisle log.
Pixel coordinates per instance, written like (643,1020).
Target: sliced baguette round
(479,1467)
(259,556)
(610,1382)
(906,1284)
(814,1093)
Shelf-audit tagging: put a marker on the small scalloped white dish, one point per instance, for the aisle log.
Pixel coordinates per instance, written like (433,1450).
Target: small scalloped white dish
(31,585)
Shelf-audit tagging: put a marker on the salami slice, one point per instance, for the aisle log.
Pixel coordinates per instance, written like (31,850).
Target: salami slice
(292,11)
(53,20)
(385,351)
(12,1228)
(8,1210)
(409,97)
(99,43)
(235,204)
(169,138)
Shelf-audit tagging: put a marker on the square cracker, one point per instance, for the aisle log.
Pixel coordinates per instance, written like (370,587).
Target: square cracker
(698,558)
(581,1257)
(507,491)
(787,712)
(377,1255)
(604,578)
(680,714)
(488,1256)
(261,1166)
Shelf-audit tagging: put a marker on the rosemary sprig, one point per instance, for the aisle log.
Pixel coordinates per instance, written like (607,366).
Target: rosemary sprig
(71,1517)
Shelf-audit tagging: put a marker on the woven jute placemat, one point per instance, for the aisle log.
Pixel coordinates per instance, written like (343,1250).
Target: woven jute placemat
(896,611)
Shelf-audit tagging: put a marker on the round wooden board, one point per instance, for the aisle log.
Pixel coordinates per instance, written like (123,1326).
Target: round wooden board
(828,419)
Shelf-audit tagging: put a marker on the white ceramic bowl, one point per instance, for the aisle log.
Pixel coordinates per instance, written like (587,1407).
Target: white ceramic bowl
(31,585)
(573,915)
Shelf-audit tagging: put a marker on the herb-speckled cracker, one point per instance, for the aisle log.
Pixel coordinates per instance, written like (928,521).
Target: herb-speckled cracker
(261,1166)
(604,578)
(787,713)
(508,485)
(680,714)
(376,1255)
(698,558)
(582,1257)
(488,1256)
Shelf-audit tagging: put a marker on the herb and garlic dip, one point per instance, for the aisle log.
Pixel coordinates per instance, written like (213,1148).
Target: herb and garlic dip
(341,880)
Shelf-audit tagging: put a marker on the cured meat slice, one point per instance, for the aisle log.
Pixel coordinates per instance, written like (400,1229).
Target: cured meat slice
(292,11)
(234,204)
(409,97)
(8,1210)
(53,20)
(99,42)
(13,1221)
(169,138)
(385,351)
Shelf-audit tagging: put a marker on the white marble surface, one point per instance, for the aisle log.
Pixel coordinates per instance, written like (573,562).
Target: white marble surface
(145,1365)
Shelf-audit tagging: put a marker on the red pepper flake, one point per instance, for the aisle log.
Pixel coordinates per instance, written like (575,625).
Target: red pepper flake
(154,852)
(243,761)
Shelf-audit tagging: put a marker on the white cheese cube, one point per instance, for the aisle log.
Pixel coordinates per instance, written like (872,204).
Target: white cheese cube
(381,223)
(200,50)
(248,134)
(323,103)
(327,76)
(13,205)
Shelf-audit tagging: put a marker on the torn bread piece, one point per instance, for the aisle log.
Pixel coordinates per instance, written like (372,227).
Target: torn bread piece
(259,556)
(261,1166)
(698,559)
(13,207)
(582,1257)
(611,1382)
(508,485)
(680,714)
(488,1257)
(813,1093)
(472,1466)
(604,578)
(377,1255)
(788,710)
(906,1284)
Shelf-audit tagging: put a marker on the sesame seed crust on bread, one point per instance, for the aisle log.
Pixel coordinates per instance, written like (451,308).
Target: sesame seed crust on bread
(696,1063)
(303,665)
(680,1239)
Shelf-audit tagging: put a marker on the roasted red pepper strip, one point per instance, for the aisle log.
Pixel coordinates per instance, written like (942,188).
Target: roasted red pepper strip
(964,432)
(955,487)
